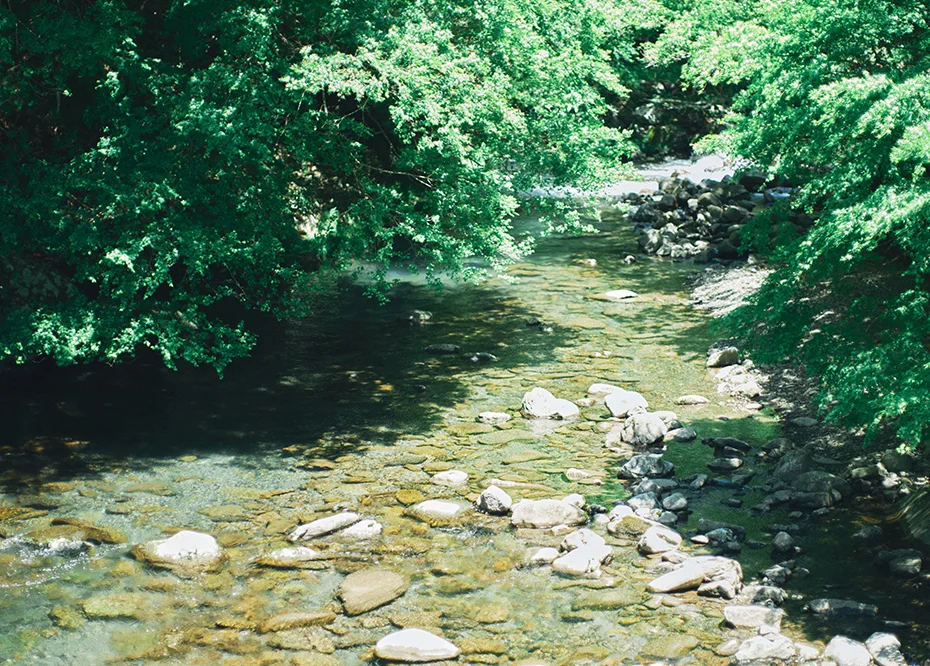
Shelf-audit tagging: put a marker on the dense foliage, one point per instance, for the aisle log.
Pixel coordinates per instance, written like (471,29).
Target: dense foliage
(163,159)
(836,98)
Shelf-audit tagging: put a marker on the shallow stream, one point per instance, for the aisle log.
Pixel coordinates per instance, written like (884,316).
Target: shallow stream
(346,410)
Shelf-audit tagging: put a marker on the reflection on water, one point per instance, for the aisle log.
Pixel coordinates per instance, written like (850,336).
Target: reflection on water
(346,410)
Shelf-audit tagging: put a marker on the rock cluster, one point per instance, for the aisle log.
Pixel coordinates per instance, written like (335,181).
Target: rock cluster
(703,221)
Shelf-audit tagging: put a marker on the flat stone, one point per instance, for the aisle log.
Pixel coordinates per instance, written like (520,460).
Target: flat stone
(841,608)
(546,513)
(363,529)
(285,621)
(452,478)
(885,649)
(691,400)
(658,539)
(753,617)
(501,437)
(289,558)
(494,418)
(438,512)
(687,577)
(414,646)
(672,646)
(366,590)
(603,600)
(847,652)
(764,649)
(186,549)
(583,561)
(129,605)
(617,295)
(323,526)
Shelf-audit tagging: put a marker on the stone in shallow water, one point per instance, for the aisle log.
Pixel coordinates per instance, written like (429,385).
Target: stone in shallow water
(885,649)
(493,418)
(583,561)
(438,512)
(773,647)
(414,646)
(643,429)
(579,538)
(752,617)
(687,577)
(495,501)
(546,513)
(326,525)
(670,647)
(841,608)
(658,540)
(289,558)
(620,295)
(645,465)
(541,404)
(602,600)
(366,590)
(186,548)
(285,621)
(450,478)
(847,652)
(363,529)
(115,606)
(622,403)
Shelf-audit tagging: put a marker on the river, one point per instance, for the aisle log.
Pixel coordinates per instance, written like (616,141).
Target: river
(346,410)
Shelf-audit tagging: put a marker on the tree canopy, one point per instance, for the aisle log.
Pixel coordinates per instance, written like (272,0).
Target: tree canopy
(160,159)
(835,97)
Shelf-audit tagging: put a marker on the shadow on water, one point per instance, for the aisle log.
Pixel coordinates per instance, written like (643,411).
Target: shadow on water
(353,374)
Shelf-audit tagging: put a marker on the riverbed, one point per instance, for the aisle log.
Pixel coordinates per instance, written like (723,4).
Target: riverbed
(348,411)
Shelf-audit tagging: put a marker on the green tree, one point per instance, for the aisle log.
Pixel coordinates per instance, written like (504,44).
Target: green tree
(835,95)
(160,159)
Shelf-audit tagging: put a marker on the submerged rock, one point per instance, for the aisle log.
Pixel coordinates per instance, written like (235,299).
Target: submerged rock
(841,608)
(289,558)
(366,590)
(414,646)
(451,478)
(323,526)
(363,529)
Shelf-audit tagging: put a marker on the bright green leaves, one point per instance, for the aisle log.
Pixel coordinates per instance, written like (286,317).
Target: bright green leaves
(835,97)
(163,166)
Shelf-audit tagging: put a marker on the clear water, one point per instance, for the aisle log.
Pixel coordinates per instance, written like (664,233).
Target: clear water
(343,410)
